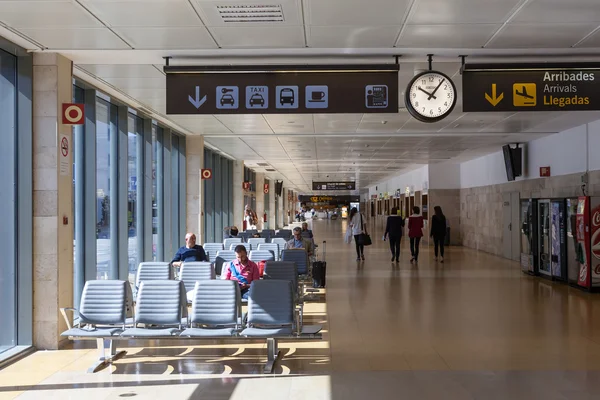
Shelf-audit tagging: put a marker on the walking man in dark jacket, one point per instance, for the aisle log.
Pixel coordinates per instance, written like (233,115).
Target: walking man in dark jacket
(393,229)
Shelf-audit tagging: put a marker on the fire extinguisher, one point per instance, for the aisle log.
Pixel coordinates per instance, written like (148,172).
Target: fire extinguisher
(265,217)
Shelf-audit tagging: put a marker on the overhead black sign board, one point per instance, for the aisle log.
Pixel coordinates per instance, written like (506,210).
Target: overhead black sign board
(331,200)
(531,87)
(334,185)
(282,89)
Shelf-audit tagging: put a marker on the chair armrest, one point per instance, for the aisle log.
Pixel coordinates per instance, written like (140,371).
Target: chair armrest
(64,310)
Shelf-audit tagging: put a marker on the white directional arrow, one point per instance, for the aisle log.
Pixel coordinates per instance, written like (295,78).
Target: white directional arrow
(197,102)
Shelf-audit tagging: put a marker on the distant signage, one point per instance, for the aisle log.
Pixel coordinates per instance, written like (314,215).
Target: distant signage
(544,171)
(374,197)
(531,87)
(330,200)
(334,185)
(73,114)
(246,185)
(282,89)
(206,173)
(266,188)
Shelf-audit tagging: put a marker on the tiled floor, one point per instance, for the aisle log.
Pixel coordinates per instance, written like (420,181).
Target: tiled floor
(471,328)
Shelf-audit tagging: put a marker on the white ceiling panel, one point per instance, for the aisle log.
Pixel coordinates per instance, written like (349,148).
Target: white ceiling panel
(167,38)
(259,36)
(455,36)
(201,124)
(541,35)
(356,12)
(291,123)
(243,124)
(138,83)
(335,123)
(127,71)
(591,41)
(76,38)
(461,11)
(352,36)
(550,11)
(45,14)
(157,14)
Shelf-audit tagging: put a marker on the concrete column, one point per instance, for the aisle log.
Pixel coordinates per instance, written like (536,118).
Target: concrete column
(52,199)
(284,204)
(271,216)
(238,194)
(260,200)
(194,158)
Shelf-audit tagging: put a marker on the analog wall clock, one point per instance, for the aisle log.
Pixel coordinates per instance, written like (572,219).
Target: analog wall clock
(430,96)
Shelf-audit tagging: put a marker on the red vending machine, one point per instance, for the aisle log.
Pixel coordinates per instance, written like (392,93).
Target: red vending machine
(583,238)
(588,241)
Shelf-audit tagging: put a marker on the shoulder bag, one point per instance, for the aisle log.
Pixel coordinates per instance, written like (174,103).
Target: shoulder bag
(364,238)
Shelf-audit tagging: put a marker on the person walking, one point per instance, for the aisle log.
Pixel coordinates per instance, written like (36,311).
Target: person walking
(358,227)
(415,232)
(393,229)
(438,231)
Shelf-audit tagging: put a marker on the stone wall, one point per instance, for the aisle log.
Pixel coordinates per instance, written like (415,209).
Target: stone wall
(481,208)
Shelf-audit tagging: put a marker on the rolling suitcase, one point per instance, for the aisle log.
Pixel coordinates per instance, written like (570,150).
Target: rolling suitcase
(319,269)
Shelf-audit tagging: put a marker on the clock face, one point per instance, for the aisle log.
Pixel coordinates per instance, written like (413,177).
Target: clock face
(431,96)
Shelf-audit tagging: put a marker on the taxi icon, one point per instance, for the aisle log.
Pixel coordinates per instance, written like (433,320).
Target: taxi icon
(257,100)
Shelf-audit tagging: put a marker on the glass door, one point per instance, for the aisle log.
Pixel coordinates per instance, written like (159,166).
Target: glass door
(544,238)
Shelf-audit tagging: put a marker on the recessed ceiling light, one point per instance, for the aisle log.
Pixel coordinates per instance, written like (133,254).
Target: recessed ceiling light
(384,122)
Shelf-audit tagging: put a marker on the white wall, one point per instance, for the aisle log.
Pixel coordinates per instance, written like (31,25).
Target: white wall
(444,176)
(483,171)
(417,178)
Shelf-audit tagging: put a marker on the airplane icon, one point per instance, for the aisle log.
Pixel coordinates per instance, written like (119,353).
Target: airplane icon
(524,94)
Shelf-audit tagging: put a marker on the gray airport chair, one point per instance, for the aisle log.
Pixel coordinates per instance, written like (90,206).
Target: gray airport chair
(227,242)
(244,236)
(274,247)
(299,256)
(216,309)
(152,271)
(223,257)
(254,242)
(211,249)
(162,307)
(191,272)
(234,245)
(280,241)
(103,311)
(261,255)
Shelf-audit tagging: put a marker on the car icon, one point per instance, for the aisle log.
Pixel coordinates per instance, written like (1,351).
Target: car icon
(257,99)
(286,95)
(227,99)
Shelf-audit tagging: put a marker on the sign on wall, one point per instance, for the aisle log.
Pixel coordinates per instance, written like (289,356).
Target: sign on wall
(282,89)
(531,87)
(73,114)
(334,185)
(544,171)
(266,188)
(206,173)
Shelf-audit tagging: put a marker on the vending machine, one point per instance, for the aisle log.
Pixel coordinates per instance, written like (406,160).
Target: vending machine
(544,239)
(528,242)
(572,243)
(558,248)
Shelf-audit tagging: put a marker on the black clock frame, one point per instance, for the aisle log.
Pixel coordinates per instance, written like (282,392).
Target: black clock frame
(415,114)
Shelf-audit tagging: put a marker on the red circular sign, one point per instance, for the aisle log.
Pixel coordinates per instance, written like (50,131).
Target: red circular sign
(266,190)
(64,147)
(206,173)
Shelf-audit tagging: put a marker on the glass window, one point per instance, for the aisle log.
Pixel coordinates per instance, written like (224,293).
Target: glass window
(133,125)
(154,192)
(103,189)
(8,270)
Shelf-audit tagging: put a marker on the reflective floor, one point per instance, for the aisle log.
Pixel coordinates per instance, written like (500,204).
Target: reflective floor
(474,327)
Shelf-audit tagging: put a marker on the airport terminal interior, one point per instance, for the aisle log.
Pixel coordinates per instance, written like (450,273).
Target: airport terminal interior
(394,199)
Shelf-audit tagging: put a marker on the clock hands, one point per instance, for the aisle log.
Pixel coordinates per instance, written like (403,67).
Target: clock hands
(427,93)
(436,89)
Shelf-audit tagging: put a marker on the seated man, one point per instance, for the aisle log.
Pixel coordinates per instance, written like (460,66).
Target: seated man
(298,242)
(190,252)
(241,270)
(306,230)
(233,232)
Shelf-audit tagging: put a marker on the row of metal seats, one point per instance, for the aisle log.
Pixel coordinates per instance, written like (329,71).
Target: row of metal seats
(212,249)
(106,314)
(267,234)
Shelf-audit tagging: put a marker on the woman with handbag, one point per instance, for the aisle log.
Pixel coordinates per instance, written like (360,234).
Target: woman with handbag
(359,231)
(415,232)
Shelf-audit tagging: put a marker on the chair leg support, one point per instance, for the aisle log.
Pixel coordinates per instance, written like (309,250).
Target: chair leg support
(273,354)
(103,359)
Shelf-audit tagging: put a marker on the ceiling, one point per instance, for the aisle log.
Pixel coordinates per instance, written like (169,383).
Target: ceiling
(118,46)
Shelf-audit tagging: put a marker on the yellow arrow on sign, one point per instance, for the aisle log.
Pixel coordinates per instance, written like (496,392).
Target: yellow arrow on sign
(493,99)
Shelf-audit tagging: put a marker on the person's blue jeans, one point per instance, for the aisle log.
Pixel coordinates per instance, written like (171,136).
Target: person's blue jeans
(245,293)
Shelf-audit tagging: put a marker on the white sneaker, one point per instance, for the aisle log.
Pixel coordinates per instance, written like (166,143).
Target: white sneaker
(442,259)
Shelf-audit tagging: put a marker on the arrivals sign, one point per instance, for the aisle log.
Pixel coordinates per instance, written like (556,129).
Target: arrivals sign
(282,89)
(334,185)
(531,87)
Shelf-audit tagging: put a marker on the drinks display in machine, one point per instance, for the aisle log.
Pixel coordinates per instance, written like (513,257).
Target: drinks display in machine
(571,242)
(527,243)
(594,243)
(558,250)
(544,238)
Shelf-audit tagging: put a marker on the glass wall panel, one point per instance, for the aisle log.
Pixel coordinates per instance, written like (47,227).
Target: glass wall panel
(134,124)
(103,195)
(8,211)
(154,191)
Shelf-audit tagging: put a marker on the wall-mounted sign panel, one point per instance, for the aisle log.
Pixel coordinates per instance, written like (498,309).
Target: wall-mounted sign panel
(334,185)
(282,89)
(330,200)
(531,87)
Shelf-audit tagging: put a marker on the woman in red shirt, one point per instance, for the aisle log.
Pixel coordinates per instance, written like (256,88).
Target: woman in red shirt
(415,232)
